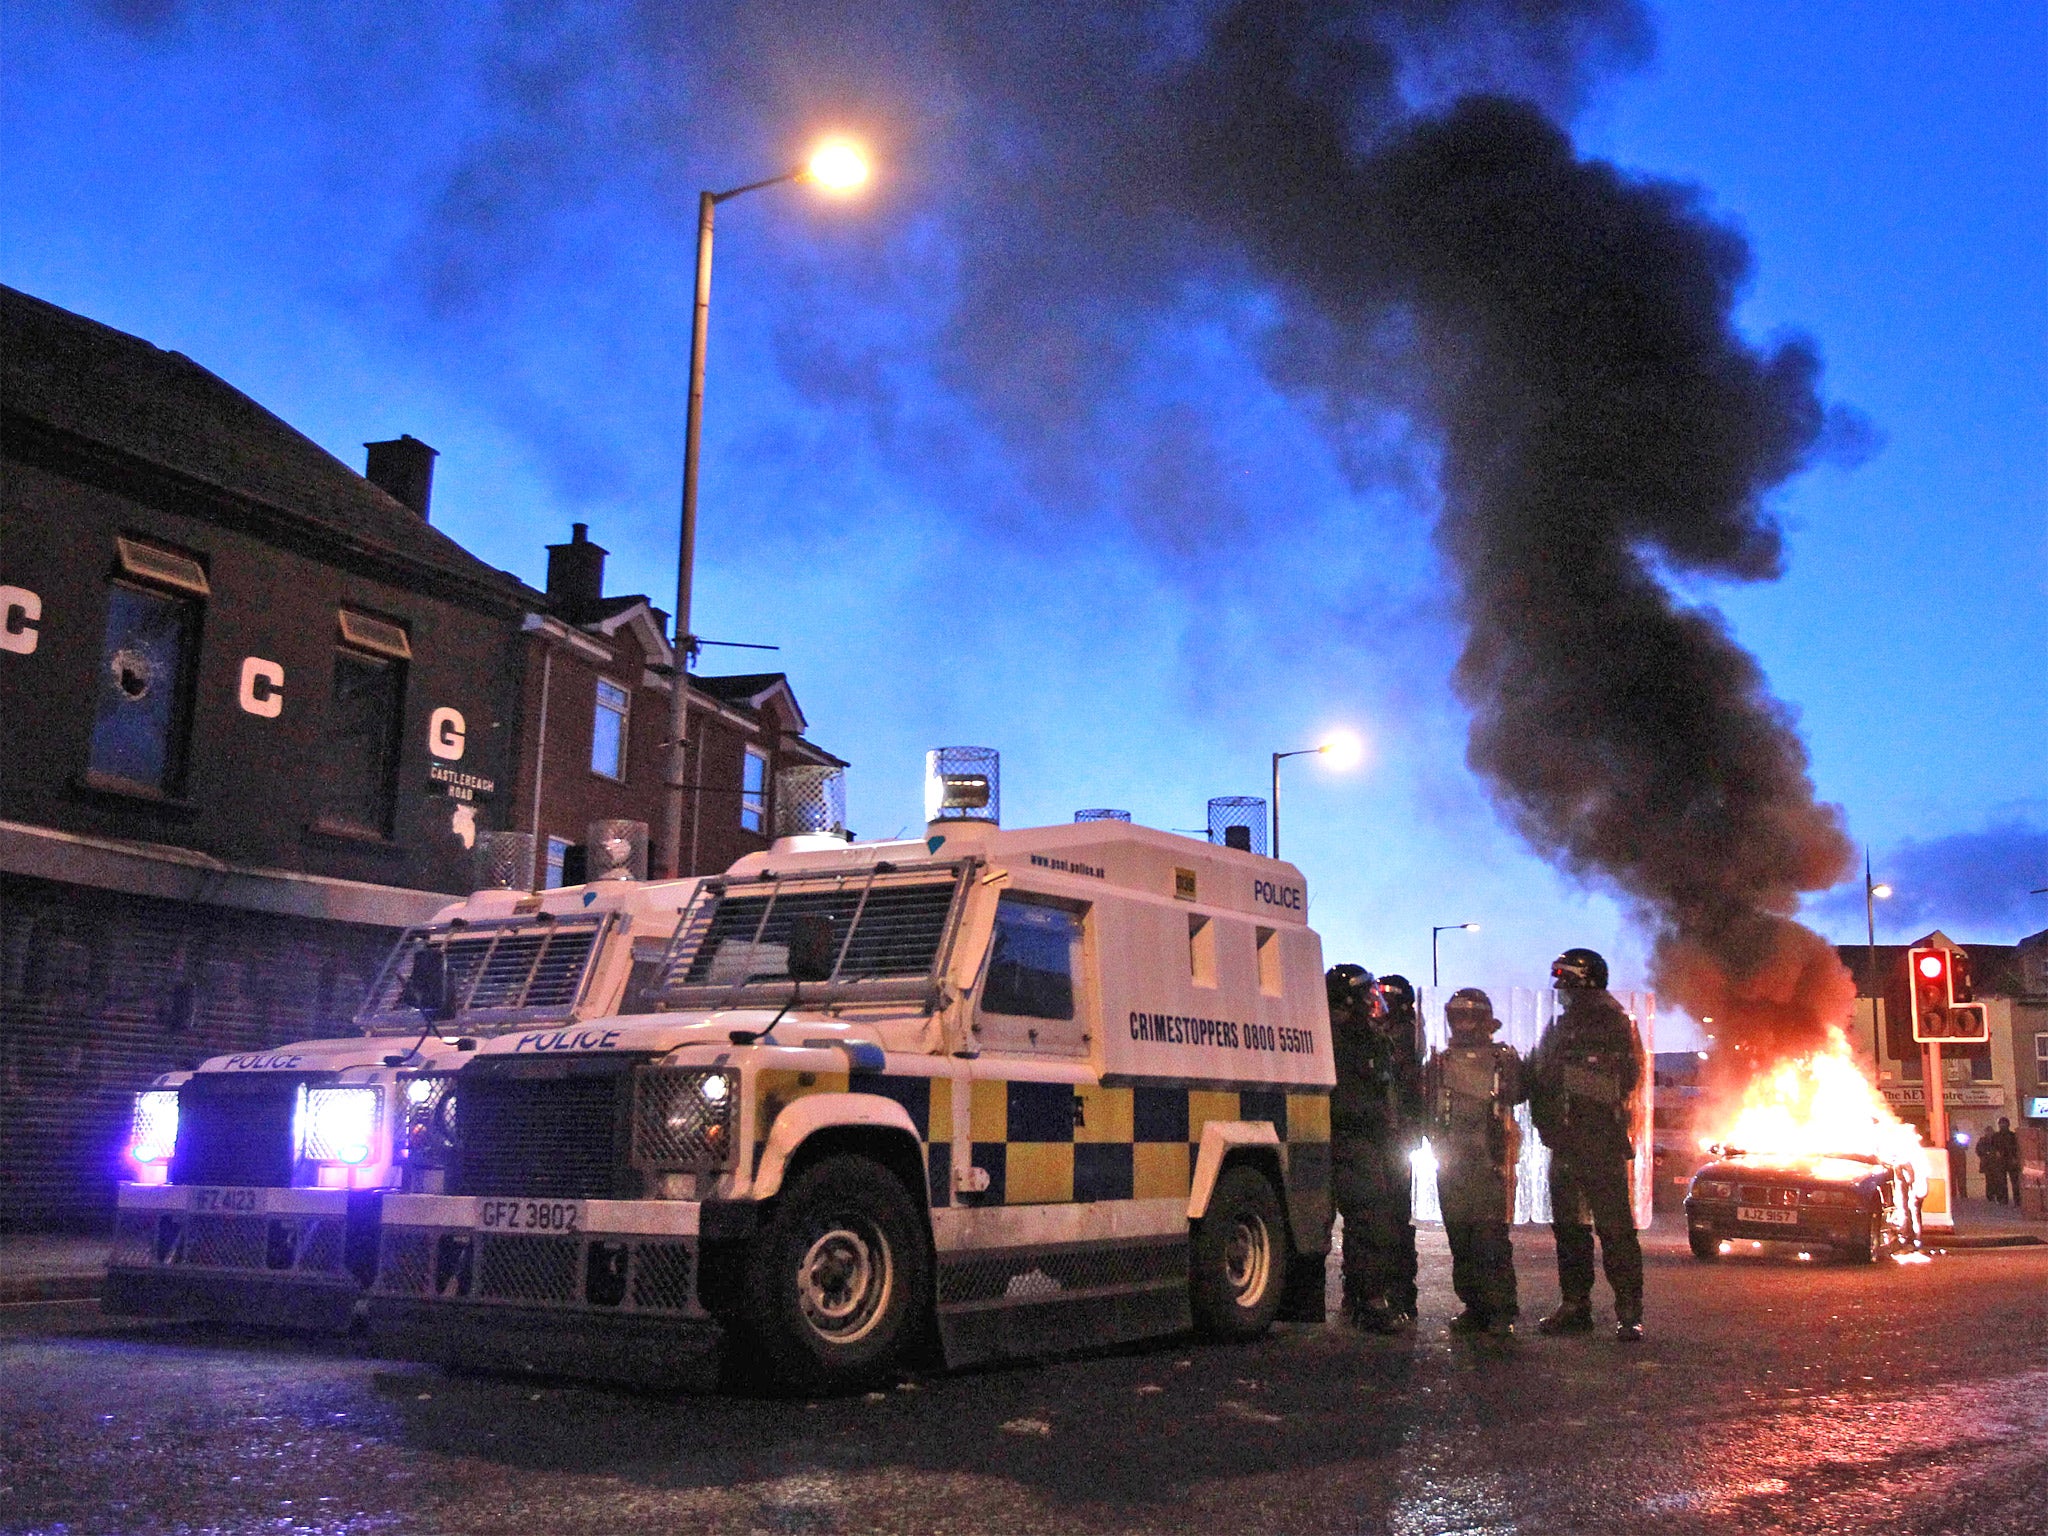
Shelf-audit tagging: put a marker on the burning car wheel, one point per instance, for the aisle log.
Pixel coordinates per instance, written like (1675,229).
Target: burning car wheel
(839,1278)
(1239,1257)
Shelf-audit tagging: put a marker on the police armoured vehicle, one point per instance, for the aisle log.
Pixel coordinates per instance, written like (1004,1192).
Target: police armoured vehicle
(1005,1092)
(258,1177)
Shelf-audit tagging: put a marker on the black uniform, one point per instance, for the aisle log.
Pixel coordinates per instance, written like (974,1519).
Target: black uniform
(1375,1114)
(1582,1083)
(1472,1086)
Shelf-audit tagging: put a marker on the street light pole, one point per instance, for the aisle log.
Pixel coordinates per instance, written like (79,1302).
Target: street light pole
(1342,748)
(1274,850)
(843,170)
(1444,928)
(1872,895)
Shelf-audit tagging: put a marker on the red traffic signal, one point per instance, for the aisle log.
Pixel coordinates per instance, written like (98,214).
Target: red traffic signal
(1930,974)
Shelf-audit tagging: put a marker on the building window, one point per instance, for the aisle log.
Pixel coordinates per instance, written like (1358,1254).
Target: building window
(558,851)
(143,716)
(608,730)
(754,790)
(2041,1058)
(361,745)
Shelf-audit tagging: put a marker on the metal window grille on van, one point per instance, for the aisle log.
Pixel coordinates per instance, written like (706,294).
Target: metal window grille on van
(893,925)
(505,971)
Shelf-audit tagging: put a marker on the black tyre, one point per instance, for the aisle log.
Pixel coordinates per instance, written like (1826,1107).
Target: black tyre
(1863,1249)
(839,1281)
(1238,1266)
(1705,1246)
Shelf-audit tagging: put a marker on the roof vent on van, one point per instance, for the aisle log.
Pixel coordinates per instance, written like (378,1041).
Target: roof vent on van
(1238,821)
(963,784)
(1102,815)
(616,850)
(503,861)
(810,801)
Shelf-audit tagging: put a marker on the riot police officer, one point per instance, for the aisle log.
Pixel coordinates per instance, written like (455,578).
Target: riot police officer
(1471,1087)
(1582,1082)
(1404,1019)
(1374,1111)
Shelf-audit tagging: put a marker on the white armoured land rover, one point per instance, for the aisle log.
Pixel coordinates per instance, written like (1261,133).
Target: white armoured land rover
(1016,1091)
(258,1176)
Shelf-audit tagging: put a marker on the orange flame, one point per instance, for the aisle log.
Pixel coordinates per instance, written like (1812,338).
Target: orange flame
(1817,1105)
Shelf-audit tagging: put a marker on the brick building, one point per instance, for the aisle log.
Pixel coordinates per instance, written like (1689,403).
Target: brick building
(599,672)
(255,711)
(2006,1076)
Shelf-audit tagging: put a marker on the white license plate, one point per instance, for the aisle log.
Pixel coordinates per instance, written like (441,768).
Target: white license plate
(224,1200)
(1766,1214)
(508,1215)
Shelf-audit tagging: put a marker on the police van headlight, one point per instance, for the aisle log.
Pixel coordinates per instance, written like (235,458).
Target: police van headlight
(153,1132)
(339,1125)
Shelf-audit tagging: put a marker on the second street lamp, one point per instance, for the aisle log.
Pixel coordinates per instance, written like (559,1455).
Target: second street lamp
(1445,928)
(1342,749)
(837,166)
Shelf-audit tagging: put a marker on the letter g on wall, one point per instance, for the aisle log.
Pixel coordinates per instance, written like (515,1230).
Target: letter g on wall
(262,690)
(446,734)
(21,613)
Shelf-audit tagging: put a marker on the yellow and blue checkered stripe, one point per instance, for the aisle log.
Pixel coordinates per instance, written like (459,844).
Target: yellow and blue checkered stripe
(1058,1143)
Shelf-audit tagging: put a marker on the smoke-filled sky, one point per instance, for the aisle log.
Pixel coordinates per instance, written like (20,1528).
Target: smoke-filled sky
(1196,377)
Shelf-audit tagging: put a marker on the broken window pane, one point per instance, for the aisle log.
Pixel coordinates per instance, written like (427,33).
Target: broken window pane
(138,733)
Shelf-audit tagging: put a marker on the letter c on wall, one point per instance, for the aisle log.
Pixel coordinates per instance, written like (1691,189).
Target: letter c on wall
(446,734)
(262,687)
(20,613)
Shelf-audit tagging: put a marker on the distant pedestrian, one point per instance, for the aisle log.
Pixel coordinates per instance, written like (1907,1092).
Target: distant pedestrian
(1375,1122)
(1958,1163)
(1471,1087)
(2002,1178)
(1582,1085)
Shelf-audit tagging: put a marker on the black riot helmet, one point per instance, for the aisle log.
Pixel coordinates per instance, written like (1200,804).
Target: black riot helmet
(1579,968)
(1470,1009)
(1398,993)
(1349,987)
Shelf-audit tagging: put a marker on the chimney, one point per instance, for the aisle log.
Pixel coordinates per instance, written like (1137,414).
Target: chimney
(403,467)
(575,571)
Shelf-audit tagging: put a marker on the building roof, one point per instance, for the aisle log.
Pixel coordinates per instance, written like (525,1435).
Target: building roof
(102,389)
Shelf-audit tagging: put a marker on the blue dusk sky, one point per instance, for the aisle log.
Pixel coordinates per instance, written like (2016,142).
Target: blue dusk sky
(1100,533)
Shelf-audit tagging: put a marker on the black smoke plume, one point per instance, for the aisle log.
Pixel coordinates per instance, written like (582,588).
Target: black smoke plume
(1397,177)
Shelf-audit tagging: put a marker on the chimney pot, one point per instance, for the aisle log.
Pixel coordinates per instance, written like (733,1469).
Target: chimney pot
(404,469)
(576,573)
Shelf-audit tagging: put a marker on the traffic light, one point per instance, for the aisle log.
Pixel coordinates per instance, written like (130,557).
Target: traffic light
(1931,975)
(1968,1024)
(1960,988)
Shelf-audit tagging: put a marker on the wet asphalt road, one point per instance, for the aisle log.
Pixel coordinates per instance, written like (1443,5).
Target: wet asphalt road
(1770,1396)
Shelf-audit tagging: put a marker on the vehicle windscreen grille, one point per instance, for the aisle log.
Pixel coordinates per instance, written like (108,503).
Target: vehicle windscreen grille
(524,970)
(557,1137)
(236,1131)
(898,933)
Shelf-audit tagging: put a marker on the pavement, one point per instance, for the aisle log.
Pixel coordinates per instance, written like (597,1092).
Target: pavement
(37,1266)
(1771,1395)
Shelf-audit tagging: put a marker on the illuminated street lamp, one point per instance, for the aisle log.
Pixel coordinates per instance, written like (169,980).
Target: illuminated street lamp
(1445,928)
(1343,749)
(1872,895)
(836,165)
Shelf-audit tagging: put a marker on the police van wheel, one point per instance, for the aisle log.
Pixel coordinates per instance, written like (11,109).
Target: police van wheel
(1239,1259)
(839,1278)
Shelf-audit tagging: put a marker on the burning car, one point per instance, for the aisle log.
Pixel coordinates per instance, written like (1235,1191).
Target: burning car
(1855,1204)
(1813,1155)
